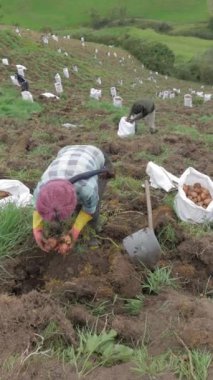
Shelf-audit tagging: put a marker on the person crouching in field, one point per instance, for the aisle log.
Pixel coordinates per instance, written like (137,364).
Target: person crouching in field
(74,181)
(22,82)
(143,109)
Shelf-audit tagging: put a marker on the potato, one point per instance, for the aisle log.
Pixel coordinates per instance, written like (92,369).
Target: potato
(67,239)
(207,201)
(193,194)
(189,196)
(52,243)
(197,185)
(200,204)
(4,194)
(185,188)
(63,249)
(203,196)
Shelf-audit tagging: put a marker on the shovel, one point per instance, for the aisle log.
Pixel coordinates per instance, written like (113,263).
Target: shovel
(143,244)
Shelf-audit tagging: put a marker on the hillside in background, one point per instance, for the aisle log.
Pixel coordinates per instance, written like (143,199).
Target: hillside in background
(37,14)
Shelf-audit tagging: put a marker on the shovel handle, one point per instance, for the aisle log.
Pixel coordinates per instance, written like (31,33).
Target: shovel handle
(149,205)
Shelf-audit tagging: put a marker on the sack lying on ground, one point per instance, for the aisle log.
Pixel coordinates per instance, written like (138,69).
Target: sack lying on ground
(161,178)
(19,194)
(185,208)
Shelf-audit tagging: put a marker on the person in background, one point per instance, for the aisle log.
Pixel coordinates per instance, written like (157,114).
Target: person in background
(22,82)
(74,181)
(143,109)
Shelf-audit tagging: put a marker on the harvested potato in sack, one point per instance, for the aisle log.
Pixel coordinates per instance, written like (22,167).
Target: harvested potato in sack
(14,191)
(194,200)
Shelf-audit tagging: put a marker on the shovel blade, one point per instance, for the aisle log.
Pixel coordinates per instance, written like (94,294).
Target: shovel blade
(143,245)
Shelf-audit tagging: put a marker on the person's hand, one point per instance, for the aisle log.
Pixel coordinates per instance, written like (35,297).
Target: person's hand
(40,240)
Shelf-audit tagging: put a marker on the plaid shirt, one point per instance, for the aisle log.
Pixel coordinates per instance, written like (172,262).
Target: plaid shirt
(70,161)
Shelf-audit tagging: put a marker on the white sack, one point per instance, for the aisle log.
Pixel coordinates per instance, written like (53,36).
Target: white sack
(187,210)
(160,178)
(49,95)
(95,94)
(125,128)
(5,61)
(26,95)
(58,87)
(20,194)
(14,80)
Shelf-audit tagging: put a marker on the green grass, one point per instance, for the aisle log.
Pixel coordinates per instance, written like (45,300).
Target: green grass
(146,364)
(25,175)
(121,184)
(167,237)
(38,14)
(13,106)
(159,279)
(15,229)
(197,230)
(184,48)
(133,306)
(95,350)
(193,133)
(195,366)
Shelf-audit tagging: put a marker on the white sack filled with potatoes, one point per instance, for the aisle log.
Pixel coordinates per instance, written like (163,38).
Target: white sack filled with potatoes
(194,200)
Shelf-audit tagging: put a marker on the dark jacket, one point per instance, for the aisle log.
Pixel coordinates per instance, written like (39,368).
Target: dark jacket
(22,81)
(143,107)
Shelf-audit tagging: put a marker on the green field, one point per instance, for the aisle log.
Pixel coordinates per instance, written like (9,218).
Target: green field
(37,14)
(184,48)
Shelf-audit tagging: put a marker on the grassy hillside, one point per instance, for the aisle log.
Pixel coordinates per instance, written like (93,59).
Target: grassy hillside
(183,47)
(65,317)
(59,14)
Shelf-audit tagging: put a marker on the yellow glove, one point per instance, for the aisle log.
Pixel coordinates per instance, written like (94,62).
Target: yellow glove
(82,219)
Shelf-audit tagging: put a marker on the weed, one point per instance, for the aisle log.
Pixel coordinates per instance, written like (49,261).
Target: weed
(150,365)
(125,183)
(95,350)
(100,309)
(25,175)
(192,366)
(15,228)
(159,279)
(197,230)
(42,150)
(167,237)
(206,118)
(169,199)
(45,137)
(10,362)
(133,306)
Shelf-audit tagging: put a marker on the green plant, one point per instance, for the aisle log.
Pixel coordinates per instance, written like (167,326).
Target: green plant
(197,230)
(15,229)
(154,55)
(10,363)
(167,237)
(95,350)
(122,183)
(192,366)
(147,364)
(100,309)
(159,279)
(197,101)
(133,306)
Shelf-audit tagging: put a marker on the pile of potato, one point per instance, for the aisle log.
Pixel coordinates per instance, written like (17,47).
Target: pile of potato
(198,194)
(4,194)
